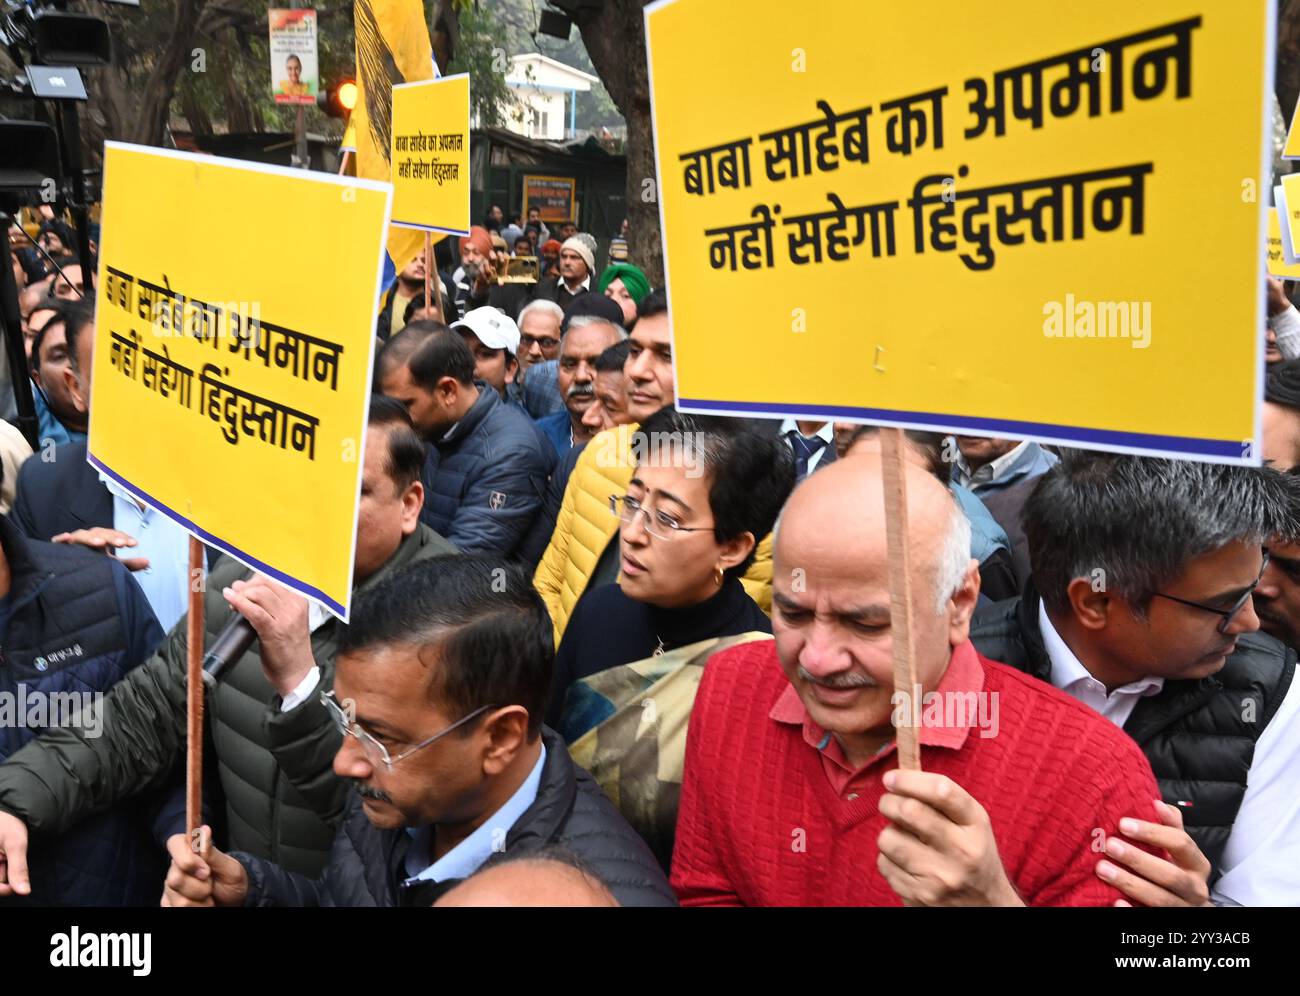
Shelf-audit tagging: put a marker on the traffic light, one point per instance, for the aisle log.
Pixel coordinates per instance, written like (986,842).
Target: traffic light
(340,98)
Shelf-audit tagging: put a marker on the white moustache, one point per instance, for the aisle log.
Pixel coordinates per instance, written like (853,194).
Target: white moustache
(841,679)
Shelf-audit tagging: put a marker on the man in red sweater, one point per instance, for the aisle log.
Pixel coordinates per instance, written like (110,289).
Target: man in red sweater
(791,794)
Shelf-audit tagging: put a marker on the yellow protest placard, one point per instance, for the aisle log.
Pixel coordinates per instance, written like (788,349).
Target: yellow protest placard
(960,218)
(1291,150)
(430,155)
(1277,264)
(232,363)
(392,45)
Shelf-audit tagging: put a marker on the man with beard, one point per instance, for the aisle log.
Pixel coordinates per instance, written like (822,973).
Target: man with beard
(585,338)
(407,289)
(471,279)
(549,256)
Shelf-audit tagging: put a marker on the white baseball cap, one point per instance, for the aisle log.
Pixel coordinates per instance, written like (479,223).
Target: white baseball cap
(495,329)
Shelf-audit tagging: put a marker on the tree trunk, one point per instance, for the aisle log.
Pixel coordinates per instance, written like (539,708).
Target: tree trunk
(240,112)
(109,108)
(615,40)
(445,34)
(200,123)
(1287,81)
(156,99)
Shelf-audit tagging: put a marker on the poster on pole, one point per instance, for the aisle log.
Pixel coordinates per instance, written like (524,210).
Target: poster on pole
(1278,264)
(1287,208)
(295,77)
(430,155)
(970,231)
(225,397)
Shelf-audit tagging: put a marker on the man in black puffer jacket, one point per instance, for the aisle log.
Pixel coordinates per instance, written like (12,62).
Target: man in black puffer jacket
(1139,606)
(72,625)
(441,680)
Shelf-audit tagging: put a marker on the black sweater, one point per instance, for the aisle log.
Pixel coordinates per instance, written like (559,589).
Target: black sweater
(608,629)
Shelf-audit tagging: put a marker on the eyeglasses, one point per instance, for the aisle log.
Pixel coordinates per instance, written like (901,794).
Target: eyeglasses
(545,341)
(1227,614)
(658,524)
(376,753)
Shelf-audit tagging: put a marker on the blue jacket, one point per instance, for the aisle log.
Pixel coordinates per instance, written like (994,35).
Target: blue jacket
(542,390)
(50,427)
(559,430)
(77,624)
(1032,461)
(484,481)
(985,533)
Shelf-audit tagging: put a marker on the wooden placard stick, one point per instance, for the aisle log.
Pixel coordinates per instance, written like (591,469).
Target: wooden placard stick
(428,271)
(900,592)
(194,691)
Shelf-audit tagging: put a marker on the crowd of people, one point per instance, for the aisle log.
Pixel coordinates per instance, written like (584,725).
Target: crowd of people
(604,652)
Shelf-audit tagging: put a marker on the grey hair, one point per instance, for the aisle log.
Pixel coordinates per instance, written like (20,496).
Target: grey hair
(954,558)
(1135,523)
(548,307)
(583,321)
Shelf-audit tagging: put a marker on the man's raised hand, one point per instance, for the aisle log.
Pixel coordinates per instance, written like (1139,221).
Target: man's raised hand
(281,619)
(1181,880)
(939,849)
(104,540)
(202,875)
(13,857)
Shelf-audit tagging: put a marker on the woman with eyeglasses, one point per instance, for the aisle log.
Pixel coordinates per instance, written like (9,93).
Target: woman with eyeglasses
(705,491)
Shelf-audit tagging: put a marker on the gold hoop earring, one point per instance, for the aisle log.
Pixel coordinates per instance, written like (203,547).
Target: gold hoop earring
(718,576)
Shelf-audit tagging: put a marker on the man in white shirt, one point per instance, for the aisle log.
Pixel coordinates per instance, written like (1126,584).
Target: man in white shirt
(1140,608)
